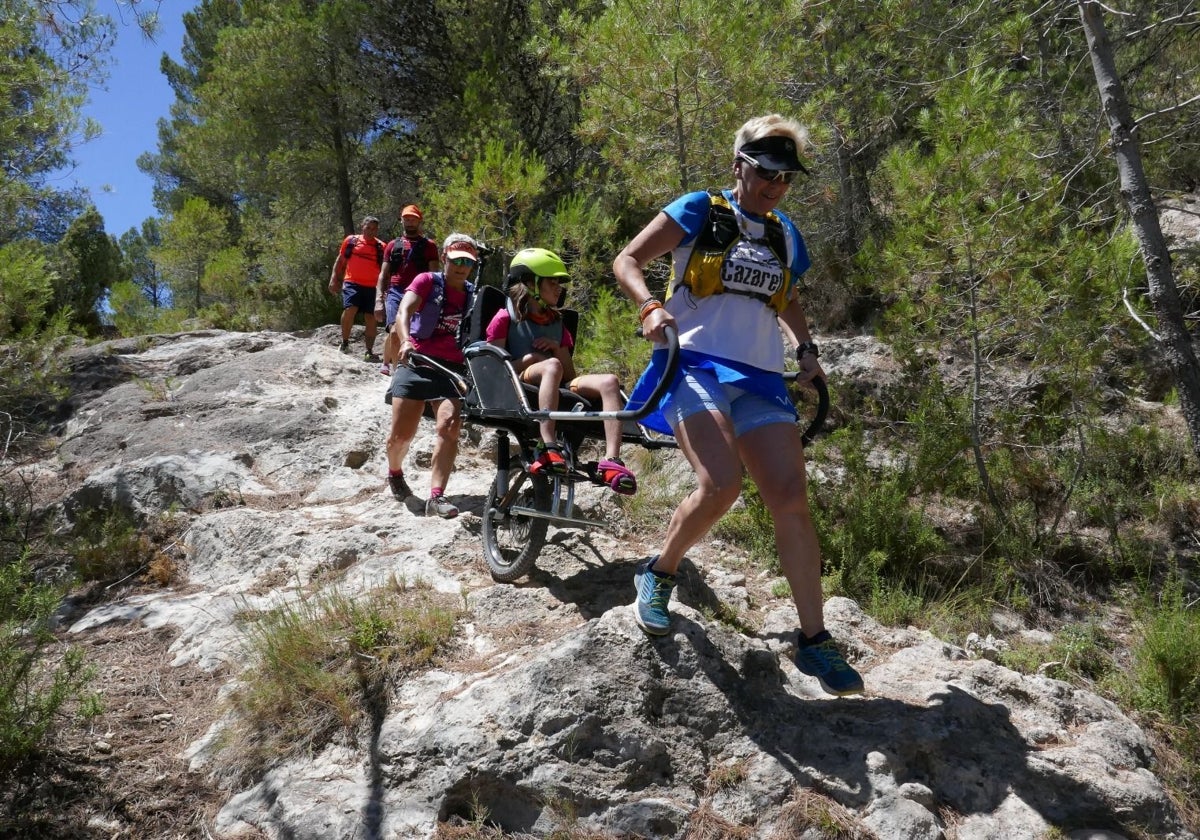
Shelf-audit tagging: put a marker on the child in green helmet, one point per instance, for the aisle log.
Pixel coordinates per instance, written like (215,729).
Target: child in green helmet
(532,331)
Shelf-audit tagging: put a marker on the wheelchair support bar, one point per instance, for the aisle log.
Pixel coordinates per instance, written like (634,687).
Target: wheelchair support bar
(818,420)
(660,388)
(416,360)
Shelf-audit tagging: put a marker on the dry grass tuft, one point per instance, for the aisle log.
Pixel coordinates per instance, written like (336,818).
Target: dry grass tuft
(321,665)
(811,810)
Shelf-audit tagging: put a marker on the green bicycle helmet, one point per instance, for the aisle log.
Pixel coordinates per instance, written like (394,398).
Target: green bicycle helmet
(532,263)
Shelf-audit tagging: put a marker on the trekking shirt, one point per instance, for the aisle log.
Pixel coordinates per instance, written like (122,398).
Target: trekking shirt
(734,327)
(363,260)
(412,262)
(443,343)
(518,336)
(734,337)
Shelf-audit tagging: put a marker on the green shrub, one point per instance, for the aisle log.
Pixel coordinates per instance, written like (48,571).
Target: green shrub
(30,387)
(939,426)
(1174,503)
(1081,653)
(319,666)
(34,686)
(1120,471)
(108,545)
(869,526)
(1129,484)
(1167,655)
(26,288)
(931,605)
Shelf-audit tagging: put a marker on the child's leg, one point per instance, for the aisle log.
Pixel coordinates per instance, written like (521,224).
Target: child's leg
(547,376)
(605,387)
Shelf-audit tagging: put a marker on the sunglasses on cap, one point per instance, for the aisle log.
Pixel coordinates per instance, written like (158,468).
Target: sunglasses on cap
(783,175)
(462,261)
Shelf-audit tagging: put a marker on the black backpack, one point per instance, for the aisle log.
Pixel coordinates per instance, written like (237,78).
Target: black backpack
(414,256)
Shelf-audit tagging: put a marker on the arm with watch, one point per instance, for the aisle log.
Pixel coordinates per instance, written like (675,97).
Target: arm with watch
(795,326)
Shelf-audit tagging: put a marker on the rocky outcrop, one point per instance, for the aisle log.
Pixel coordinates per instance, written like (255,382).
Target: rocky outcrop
(271,447)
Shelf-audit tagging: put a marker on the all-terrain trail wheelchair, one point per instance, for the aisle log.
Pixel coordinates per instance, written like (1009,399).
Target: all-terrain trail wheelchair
(521,506)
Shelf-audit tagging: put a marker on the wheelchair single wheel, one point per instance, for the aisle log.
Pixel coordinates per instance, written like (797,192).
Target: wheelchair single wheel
(511,541)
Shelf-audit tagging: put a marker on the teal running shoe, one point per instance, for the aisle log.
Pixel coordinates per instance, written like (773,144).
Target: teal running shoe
(653,594)
(819,657)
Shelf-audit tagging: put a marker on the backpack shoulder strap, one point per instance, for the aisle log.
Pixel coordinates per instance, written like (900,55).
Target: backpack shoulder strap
(722,228)
(465,328)
(348,248)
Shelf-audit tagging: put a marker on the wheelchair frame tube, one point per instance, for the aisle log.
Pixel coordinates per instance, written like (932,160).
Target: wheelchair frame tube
(651,403)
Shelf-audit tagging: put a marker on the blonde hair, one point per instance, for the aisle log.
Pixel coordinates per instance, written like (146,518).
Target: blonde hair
(772,125)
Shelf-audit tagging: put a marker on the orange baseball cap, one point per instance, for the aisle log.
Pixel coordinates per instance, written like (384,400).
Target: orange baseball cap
(412,210)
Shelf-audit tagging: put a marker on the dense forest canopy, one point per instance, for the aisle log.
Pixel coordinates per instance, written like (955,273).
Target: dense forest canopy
(568,124)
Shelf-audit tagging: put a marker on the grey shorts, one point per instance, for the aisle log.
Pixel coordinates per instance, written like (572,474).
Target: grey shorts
(423,383)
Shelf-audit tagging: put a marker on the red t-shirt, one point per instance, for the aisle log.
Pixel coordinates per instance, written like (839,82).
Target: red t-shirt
(362,263)
(410,267)
(443,344)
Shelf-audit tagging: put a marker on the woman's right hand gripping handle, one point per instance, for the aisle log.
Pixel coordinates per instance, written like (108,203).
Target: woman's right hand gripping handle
(656,321)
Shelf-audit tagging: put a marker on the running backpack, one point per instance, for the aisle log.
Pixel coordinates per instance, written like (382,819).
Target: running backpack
(414,256)
(426,319)
(352,243)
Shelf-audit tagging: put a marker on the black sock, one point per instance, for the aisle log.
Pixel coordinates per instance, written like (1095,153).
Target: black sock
(804,641)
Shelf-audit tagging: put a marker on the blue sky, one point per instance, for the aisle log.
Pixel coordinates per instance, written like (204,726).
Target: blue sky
(128,111)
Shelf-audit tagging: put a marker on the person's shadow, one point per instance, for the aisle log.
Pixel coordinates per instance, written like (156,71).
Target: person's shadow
(594,590)
(605,583)
(966,751)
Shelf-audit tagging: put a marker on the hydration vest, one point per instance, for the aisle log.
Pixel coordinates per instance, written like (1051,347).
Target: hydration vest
(352,243)
(414,255)
(705,272)
(427,319)
(522,333)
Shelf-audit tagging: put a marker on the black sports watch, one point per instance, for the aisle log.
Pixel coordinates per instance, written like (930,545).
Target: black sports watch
(806,347)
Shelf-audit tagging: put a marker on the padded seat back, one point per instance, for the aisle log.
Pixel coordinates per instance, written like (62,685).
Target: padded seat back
(488,301)
(496,387)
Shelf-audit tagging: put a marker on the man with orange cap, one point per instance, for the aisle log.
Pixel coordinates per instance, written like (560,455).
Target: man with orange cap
(404,258)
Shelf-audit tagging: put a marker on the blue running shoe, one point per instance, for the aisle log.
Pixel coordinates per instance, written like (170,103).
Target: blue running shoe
(653,593)
(821,658)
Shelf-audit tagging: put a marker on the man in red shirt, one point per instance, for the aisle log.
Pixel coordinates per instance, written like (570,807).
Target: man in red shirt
(404,258)
(354,275)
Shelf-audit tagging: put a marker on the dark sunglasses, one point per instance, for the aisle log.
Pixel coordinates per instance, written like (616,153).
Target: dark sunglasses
(784,175)
(462,261)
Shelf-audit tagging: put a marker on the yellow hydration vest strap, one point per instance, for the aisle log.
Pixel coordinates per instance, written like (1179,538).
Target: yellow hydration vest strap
(703,272)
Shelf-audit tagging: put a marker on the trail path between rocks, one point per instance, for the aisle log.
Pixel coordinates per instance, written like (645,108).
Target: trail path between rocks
(556,711)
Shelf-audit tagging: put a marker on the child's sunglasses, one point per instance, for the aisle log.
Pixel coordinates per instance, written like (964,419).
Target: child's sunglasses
(462,261)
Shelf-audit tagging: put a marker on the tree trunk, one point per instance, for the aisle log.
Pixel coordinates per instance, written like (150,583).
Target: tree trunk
(337,140)
(1175,342)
